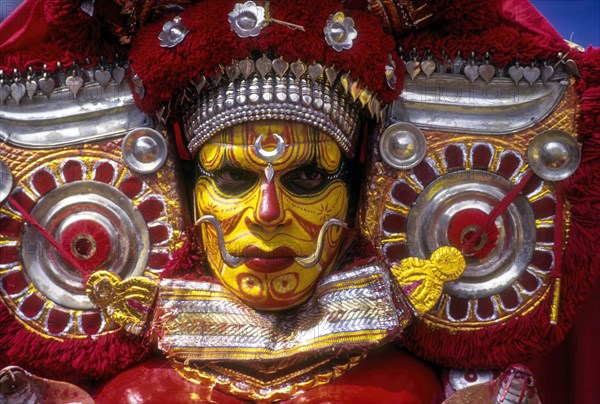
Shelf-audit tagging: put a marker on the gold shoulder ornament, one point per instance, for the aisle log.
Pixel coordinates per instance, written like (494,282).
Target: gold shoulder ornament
(128,303)
(422,281)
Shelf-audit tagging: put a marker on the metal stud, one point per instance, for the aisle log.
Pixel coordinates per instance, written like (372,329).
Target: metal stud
(402,146)
(144,150)
(554,155)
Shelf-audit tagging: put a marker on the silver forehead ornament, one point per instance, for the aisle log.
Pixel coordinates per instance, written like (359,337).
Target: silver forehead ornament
(271,155)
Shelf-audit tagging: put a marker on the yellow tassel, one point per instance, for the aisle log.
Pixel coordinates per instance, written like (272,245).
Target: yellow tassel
(555,302)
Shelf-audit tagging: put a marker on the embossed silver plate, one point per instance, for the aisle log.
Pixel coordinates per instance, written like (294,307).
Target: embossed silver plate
(440,201)
(62,119)
(69,205)
(452,103)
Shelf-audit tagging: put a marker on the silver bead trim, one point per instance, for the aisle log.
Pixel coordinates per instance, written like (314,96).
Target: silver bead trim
(265,89)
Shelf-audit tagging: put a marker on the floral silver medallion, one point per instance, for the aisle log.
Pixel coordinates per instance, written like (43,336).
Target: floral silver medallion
(247,19)
(172,33)
(339,31)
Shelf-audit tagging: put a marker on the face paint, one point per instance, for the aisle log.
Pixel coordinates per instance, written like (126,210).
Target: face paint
(271,195)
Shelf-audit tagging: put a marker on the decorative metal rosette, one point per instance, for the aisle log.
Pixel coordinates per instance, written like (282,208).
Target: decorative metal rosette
(443,200)
(173,33)
(98,211)
(340,32)
(247,19)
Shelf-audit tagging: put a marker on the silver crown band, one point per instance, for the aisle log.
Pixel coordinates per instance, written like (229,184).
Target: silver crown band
(326,101)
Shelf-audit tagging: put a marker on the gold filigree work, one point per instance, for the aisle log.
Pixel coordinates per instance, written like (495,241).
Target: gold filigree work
(128,303)
(423,280)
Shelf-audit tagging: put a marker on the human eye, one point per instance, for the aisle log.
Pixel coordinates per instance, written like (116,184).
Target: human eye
(233,180)
(305,180)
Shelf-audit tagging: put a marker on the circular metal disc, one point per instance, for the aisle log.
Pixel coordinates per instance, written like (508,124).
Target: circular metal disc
(434,209)
(144,150)
(6,181)
(402,146)
(68,207)
(554,155)
(461,379)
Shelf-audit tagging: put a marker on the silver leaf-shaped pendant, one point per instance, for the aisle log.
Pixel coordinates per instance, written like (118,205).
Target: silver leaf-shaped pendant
(413,68)
(428,67)
(531,74)
(4,92)
(246,67)
(472,72)
(346,82)
(233,71)
(216,78)
(516,73)
(374,107)
(547,72)
(200,84)
(487,72)
(74,83)
(269,172)
(17,90)
(138,85)
(571,68)
(31,87)
(47,85)
(118,74)
(315,71)
(102,77)
(298,68)
(280,66)
(331,75)
(263,65)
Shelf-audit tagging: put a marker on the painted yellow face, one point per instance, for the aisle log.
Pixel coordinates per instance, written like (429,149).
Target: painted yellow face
(271,220)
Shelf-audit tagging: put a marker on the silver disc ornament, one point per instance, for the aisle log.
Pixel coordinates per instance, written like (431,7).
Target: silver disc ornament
(99,216)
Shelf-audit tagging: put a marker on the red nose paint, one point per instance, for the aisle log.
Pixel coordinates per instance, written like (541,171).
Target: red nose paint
(269,210)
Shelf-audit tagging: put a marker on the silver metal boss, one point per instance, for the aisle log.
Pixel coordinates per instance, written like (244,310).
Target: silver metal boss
(554,155)
(144,150)
(402,146)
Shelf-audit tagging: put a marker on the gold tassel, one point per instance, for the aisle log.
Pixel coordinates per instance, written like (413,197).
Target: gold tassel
(555,302)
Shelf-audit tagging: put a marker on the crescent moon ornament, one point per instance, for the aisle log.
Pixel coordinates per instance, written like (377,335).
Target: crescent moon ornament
(272,155)
(269,156)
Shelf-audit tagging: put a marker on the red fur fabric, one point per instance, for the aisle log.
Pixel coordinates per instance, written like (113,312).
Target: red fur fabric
(211,43)
(188,261)
(46,32)
(73,359)
(485,26)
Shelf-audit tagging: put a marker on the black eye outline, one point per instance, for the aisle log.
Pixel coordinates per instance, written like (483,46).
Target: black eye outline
(232,180)
(306,180)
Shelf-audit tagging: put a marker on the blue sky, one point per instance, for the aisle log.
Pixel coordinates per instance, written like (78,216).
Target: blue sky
(577,20)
